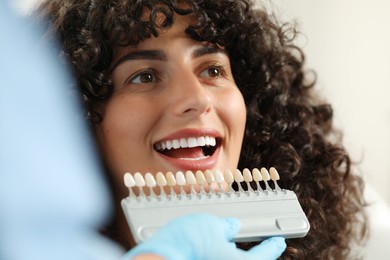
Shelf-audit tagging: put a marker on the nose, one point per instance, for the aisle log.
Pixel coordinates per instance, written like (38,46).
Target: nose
(191,97)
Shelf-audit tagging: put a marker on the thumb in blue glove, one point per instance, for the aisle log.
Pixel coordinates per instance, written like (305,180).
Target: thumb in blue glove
(203,236)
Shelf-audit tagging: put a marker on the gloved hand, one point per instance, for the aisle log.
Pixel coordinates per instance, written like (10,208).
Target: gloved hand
(203,236)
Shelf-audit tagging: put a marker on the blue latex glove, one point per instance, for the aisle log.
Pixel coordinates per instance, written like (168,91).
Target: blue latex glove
(203,236)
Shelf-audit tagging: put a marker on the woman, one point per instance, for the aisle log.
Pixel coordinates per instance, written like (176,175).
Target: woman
(153,72)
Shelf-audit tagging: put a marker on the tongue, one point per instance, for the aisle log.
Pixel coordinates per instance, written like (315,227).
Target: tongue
(195,152)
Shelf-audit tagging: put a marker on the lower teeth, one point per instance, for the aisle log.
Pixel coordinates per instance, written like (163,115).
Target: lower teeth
(194,159)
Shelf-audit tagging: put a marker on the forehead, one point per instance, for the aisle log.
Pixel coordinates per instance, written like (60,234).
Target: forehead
(164,39)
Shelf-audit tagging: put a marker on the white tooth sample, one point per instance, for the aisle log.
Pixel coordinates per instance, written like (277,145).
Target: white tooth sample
(257,177)
(209,176)
(163,146)
(213,142)
(180,179)
(183,143)
(190,177)
(219,177)
(150,181)
(247,177)
(170,179)
(191,180)
(139,180)
(274,174)
(160,179)
(129,183)
(201,141)
(200,179)
(171,182)
(210,179)
(275,177)
(238,176)
(161,182)
(266,177)
(169,144)
(229,179)
(265,174)
(129,180)
(192,142)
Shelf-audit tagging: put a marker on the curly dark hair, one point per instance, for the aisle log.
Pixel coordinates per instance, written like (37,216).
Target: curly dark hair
(288,126)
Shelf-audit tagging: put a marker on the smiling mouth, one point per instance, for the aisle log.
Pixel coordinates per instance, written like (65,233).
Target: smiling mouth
(193,148)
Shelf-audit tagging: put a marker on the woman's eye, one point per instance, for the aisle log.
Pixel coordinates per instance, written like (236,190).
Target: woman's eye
(143,78)
(212,72)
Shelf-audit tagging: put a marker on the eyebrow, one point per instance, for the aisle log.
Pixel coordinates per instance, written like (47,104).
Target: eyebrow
(159,55)
(141,55)
(204,50)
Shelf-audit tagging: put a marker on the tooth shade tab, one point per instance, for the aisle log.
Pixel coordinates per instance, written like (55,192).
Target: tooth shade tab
(129,180)
(247,175)
(209,181)
(228,177)
(256,175)
(200,178)
(161,182)
(186,143)
(238,176)
(160,179)
(265,174)
(171,181)
(209,177)
(275,177)
(247,178)
(219,177)
(190,177)
(150,181)
(274,174)
(180,179)
(139,180)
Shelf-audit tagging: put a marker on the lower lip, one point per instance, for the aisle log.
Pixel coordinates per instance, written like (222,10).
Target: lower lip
(193,165)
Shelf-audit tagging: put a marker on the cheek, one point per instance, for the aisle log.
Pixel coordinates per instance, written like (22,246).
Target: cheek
(234,108)
(232,111)
(122,135)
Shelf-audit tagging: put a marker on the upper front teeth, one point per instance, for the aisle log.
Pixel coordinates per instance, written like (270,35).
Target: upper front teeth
(186,142)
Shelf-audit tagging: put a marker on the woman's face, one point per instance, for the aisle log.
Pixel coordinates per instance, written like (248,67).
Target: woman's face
(175,107)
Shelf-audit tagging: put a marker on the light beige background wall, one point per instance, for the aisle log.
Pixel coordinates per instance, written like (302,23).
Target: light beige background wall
(347,43)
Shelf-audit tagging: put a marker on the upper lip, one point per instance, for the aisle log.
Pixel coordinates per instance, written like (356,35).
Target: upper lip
(188,138)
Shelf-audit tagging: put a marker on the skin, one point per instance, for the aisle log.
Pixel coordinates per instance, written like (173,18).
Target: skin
(167,88)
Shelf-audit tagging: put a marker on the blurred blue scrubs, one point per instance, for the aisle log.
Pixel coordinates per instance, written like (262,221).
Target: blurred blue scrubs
(52,195)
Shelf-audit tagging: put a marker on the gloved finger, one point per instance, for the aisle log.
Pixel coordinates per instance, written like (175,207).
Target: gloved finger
(231,227)
(269,249)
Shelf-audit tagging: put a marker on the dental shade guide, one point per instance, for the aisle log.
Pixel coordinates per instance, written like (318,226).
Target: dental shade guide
(263,213)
